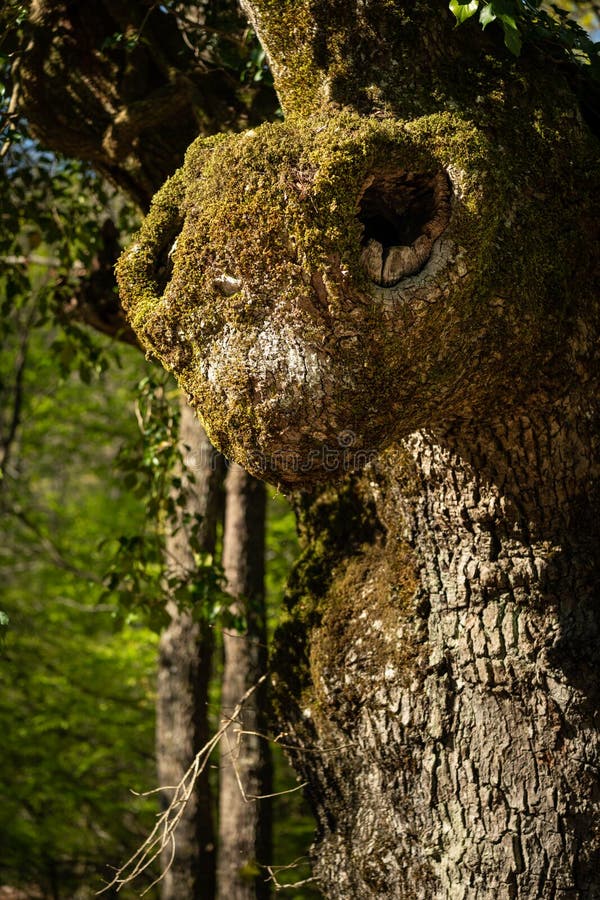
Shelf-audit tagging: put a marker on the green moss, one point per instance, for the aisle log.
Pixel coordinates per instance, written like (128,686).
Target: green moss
(287,27)
(370,602)
(333,524)
(300,347)
(353,572)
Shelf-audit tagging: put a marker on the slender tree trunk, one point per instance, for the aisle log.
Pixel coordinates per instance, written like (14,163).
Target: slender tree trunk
(185,660)
(244,822)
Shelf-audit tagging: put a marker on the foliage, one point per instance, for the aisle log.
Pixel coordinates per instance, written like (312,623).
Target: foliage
(76,697)
(551,28)
(216,31)
(154,471)
(49,239)
(49,210)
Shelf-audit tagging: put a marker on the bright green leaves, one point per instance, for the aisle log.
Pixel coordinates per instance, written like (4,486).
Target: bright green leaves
(512,36)
(76,699)
(502,11)
(551,28)
(153,470)
(464,10)
(487,15)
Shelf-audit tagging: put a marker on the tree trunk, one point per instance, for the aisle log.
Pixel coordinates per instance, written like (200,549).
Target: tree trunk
(245,774)
(419,303)
(453,672)
(185,662)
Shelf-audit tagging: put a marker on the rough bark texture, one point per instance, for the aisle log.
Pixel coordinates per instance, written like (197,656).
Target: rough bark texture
(244,822)
(453,677)
(288,347)
(185,663)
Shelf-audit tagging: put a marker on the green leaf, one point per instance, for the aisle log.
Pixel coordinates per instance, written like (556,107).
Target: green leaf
(463,11)
(487,15)
(512,38)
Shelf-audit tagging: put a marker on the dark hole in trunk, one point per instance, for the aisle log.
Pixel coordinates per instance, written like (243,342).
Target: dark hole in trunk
(402,214)
(395,209)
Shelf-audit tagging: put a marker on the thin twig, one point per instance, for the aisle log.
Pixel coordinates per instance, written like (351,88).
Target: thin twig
(162,835)
(277,740)
(272,870)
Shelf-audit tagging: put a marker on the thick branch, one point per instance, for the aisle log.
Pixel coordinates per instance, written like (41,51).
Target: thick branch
(95,301)
(120,86)
(365,54)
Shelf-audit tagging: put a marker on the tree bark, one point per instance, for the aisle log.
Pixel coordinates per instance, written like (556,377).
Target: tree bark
(244,821)
(185,667)
(452,670)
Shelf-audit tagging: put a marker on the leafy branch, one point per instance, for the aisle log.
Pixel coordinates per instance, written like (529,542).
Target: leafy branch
(142,576)
(529,21)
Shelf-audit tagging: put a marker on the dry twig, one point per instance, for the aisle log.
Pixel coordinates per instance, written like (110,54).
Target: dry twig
(274,871)
(163,833)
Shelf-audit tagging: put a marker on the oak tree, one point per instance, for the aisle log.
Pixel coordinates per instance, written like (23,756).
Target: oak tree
(387,304)
(402,279)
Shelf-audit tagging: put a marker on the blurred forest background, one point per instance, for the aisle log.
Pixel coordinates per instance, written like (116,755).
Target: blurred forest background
(78,659)
(88,465)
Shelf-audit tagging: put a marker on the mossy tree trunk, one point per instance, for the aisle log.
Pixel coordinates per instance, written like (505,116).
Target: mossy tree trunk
(449,656)
(402,279)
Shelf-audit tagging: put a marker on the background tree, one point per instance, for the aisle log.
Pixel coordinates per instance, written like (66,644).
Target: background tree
(245,822)
(185,666)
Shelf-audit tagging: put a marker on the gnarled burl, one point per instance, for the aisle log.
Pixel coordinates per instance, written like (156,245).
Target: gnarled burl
(401,279)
